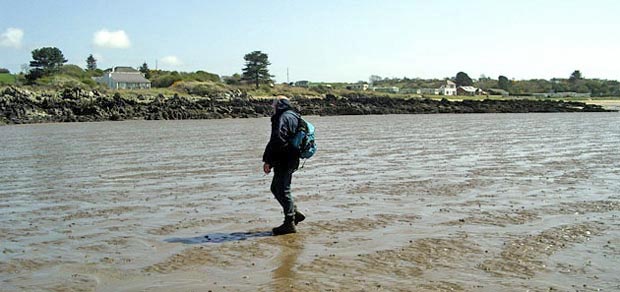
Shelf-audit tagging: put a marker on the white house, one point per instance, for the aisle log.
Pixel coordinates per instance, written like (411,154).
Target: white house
(448,88)
(124,78)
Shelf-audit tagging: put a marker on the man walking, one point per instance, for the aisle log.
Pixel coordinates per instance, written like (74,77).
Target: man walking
(284,160)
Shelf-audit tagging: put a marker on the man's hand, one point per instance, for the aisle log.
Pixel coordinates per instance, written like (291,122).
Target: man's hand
(267,168)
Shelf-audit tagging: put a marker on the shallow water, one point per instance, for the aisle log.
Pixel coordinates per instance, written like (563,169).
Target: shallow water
(394,203)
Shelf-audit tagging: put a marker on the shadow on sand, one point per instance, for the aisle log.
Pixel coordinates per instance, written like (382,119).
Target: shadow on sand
(219,237)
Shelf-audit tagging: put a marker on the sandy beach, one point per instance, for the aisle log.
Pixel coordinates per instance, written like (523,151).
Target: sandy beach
(607,104)
(480,202)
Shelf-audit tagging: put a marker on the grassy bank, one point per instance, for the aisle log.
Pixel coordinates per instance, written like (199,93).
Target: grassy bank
(196,89)
(7,79)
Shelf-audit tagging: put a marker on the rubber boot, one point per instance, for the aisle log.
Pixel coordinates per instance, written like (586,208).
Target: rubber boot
(299,216)
(287,227)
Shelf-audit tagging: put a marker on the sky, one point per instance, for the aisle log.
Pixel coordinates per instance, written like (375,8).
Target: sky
(325,41)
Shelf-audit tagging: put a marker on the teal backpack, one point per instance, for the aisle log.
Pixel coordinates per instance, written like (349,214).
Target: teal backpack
(303,140)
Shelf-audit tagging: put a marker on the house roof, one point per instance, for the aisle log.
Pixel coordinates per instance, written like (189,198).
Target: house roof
(468,88)
(128,77)
(124,69)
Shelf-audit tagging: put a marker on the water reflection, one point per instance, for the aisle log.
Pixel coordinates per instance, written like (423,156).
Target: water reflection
(284,275)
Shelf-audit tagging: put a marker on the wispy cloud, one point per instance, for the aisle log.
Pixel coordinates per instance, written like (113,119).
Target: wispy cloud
(11,37)
(171,61)
(111,39)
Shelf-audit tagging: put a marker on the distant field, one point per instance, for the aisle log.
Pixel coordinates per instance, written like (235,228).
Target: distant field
(6,78)
(499,97)
(608,102)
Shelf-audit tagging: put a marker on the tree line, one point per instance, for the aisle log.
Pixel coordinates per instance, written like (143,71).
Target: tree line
(49,62)
(576,82)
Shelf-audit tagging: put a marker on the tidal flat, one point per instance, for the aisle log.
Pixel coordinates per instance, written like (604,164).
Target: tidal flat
(454,202)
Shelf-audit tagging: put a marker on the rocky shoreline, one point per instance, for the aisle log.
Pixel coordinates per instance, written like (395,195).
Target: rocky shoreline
(22,106)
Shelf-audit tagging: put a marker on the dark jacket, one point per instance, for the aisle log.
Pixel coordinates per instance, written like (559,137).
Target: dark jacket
(279,153)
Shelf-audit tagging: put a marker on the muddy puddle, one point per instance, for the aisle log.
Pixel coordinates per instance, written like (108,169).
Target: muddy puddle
(510,202)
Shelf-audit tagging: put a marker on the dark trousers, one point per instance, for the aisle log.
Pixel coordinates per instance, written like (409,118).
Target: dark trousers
(281,189)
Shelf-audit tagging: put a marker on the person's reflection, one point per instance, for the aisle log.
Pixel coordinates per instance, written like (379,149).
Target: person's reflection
(290,249)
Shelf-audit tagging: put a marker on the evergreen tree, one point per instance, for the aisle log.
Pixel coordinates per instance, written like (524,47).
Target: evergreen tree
(575,76)
(503,82)
(49,59)
(91,63)
(462,79)
(45,61)
(145,70)
(374,79)
(255,69)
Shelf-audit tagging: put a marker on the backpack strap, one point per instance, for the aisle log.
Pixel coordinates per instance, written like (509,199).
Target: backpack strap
(301,125)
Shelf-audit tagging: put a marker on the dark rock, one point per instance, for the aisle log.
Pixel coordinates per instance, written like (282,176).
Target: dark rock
(18,105)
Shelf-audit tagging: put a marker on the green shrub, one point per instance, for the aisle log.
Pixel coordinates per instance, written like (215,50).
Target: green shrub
(202,76)
(207,88)
(89,82)
(160,78)
(165,80)
(281,89)
(61,81)
(72,70)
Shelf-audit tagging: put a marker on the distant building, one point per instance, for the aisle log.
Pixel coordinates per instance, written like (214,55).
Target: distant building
(123,78)
(391,89)
(468,90)
(302,83)
(562,94)
(431,91)
(448,88)
(411,90)
(363,86)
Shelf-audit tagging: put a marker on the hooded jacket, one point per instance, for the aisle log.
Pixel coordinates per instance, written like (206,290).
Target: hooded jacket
(278,152)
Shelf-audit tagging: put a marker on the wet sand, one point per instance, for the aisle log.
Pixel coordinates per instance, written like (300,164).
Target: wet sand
(509,202)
